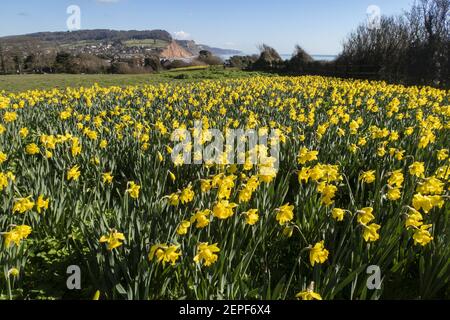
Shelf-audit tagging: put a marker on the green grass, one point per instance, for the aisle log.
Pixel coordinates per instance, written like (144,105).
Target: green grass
(190,68)
(150,43)
(79,44)
(19,83)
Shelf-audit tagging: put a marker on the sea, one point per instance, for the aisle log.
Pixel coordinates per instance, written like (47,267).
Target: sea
(318,57)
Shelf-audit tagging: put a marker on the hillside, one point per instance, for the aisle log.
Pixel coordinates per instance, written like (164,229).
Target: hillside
(105,42)
(174,50)
(37,52)
(97,35)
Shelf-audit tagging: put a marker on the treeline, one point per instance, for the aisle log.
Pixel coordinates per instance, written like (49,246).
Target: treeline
(91,64)
(412,49)
(65,62)
(96,35)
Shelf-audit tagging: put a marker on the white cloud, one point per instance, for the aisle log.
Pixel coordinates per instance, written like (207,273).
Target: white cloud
(181,35)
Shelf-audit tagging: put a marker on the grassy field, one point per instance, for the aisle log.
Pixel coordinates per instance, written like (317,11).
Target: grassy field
(150,43)
(19,83)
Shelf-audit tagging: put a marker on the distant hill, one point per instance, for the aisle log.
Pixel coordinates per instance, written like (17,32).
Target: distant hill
(219,51)
(105,42)
(195,48)
(40,52)
(94,35)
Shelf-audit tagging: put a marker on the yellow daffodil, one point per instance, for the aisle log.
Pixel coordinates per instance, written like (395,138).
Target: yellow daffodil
(396,179)
(114,239)
(187,195)
(96,295)
(224,209)
(201,218)
(318,254)
(245,195)
(430,186)
(367,176)
(16,235)
(442,154)
(206,253)
(23,205)
(172,176)
(10,117)
(24,133)
(73,173)
(303,175)
(165,253)
(308,294)
(365,215)
(41,204)
(3,181)
(328,192)
(426,203)
(32,149)
(338,214)
(14,272)
(394,194)
(107,177)
(417,169)
(370,233)
(76,147)
(422,236)
(205,185)
(251,216)
(183,227)
(305,156)
(3,157)
(285,214)
(174,199)
(133,190)
(414,219)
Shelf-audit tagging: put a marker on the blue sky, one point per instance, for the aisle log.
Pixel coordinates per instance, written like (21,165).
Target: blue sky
(319,26)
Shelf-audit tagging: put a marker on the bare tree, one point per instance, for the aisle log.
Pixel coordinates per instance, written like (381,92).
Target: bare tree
(429,28)
(413,47)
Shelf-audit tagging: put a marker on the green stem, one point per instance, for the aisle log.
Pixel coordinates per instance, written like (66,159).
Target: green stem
(8,285)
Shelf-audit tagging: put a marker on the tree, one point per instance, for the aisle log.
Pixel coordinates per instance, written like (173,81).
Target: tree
(208,58)
(429,27)
(63,62)
(18,61)
(413,48)
(153,63)
(300,59)
(243,62)
(2,60)
(268,59)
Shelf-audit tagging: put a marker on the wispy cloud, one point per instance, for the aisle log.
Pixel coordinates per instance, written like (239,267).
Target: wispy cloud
(181,35)
(23,14)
